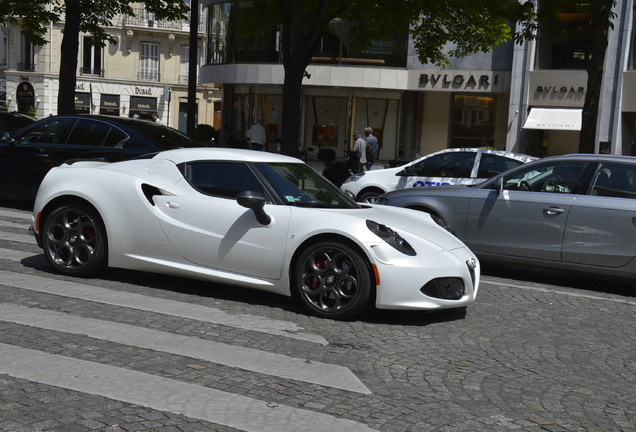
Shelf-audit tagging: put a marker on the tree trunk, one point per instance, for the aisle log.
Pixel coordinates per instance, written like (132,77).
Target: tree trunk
(602,20)
(68,58)
(291,141)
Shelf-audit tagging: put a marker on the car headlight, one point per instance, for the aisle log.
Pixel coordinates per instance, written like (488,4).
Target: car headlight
(391,237)
(354,178)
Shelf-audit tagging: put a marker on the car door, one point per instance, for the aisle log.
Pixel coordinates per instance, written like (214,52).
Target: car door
(601,228)
(208,227)
(31,152)
(447,168)
(527,218)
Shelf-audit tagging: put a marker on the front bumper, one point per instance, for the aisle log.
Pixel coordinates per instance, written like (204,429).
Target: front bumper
(434,280)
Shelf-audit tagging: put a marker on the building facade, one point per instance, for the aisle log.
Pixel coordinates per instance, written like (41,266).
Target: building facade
(500,99)
(145,72)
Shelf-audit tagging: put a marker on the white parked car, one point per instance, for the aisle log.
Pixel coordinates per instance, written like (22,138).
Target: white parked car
(254,219)
(454,166)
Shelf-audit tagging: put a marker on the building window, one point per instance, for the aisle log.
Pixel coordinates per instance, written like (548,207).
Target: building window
(184,70)
(473,121)
(227,44)
(149,58)
(92,58)
(27,55)
(568,43)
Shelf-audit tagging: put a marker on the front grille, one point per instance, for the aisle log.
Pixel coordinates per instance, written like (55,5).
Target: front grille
(448,288)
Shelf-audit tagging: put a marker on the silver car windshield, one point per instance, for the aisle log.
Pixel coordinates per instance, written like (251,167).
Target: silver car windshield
(299,185)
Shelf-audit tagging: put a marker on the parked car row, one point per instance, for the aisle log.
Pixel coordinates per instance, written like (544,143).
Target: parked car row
(116,192)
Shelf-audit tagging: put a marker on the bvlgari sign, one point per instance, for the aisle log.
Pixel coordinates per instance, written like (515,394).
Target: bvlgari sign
(557,88)
(455,81)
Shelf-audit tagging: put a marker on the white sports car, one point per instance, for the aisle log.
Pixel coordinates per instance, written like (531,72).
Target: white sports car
(255,219)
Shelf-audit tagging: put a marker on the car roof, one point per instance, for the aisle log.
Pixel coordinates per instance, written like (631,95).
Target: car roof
(519,156)
(593,157)
(182,155)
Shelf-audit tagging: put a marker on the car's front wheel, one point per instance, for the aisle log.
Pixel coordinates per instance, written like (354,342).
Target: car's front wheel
(370,196)
(332,280)
(74,240)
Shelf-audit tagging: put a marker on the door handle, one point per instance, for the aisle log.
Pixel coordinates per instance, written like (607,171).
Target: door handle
(552,211)
(173,204)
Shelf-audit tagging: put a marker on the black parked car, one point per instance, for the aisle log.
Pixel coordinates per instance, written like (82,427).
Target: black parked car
(12,120)
(27,154)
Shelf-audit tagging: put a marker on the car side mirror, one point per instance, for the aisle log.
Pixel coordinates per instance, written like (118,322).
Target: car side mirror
(8,138)
(256,202)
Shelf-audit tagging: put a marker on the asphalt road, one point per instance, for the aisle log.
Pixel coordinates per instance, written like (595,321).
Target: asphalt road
(131,351)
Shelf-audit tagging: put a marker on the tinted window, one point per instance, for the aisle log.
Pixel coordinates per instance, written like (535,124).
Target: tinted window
(95,133)
(451,164)
(225,179)
(13,122)
(555,177)
(53,131)
(615,180)
(491,165)
(163,137)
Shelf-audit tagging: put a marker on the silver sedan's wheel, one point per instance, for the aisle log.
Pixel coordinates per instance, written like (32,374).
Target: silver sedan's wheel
(74,240)
(332,280)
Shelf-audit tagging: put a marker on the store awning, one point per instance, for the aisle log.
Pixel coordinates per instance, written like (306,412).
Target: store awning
(554,119)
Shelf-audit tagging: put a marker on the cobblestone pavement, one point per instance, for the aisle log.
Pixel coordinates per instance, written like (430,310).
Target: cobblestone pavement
(131,351)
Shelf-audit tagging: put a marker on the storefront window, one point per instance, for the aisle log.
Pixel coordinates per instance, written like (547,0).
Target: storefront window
(568,43)
(334,48)
(227,43)
(473,121)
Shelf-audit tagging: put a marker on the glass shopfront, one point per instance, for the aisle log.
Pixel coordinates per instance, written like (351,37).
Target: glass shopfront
(227,42)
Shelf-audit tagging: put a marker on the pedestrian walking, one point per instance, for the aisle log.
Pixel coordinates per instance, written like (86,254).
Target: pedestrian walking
(371,152)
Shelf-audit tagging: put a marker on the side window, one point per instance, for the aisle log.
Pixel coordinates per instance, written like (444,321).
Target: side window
(116,137)
(451,164)
(491,165)
(224,179)
(50,132)
(555,177)
(89,132)
(614,180)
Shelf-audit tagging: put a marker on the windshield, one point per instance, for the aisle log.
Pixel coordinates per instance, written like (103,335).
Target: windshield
(299,185)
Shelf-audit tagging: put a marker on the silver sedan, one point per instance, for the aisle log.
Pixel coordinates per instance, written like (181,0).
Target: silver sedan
(575,212)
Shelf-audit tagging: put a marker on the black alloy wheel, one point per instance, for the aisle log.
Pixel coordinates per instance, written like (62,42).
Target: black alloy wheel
(74,240)
(332,280)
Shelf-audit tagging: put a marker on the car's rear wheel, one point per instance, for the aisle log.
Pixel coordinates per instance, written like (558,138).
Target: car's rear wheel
(74,240)
(332,280)
(370,196)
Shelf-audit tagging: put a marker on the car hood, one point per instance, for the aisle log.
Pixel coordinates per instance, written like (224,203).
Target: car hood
(416,227)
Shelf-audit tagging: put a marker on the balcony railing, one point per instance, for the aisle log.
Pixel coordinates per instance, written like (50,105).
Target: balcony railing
(92,71)
(26,67)
(141,19)
(148,76)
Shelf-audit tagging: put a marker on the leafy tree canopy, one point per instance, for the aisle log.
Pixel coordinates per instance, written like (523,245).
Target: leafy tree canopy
(95,16)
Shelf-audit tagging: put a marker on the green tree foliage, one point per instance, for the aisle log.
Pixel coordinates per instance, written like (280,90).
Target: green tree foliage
(89,16)
(466,26)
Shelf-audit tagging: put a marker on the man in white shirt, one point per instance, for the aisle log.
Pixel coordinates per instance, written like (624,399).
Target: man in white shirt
(256,136)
